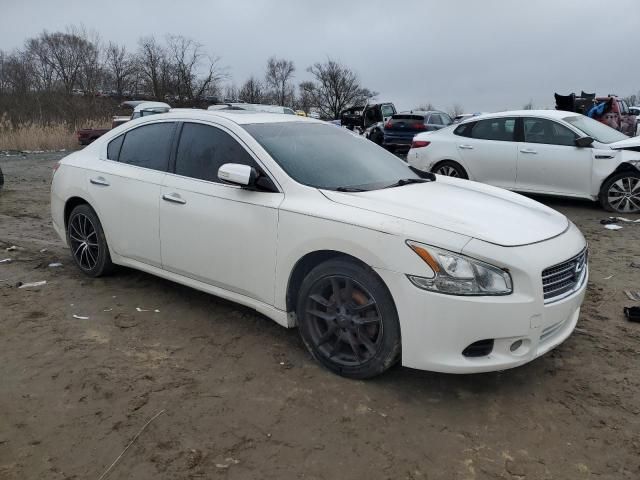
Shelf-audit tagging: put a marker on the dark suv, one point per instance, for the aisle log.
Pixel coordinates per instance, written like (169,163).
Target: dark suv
(401,128)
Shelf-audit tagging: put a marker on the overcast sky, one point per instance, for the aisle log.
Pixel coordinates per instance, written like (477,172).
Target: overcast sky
(482,54)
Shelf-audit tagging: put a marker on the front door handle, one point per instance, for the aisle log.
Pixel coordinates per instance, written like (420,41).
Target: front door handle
(174,197)
(466,147)
(99,181)
(528,150)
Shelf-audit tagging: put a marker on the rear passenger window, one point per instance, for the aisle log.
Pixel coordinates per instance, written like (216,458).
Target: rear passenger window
(464,129)
(435,119)
(113,149)
(204,149)
(501,129)
(148,146)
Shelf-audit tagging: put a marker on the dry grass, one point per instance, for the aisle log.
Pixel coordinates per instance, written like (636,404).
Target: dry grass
(36,136)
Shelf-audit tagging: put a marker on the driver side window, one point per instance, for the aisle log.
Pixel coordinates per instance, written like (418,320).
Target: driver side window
(203,149)
(542,130)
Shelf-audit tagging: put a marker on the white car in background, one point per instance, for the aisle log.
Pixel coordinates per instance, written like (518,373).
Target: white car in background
(319,228)
(538,151)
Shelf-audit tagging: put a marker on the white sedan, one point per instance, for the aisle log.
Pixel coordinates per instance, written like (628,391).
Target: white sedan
(318,228)
(538,151)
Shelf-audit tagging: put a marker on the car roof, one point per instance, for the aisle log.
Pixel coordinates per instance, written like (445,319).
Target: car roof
(241,117)
(150,105)
(550,114)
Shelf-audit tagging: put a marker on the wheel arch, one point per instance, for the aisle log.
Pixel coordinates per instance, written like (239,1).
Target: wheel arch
(308,262)
(440,162)
(70,204)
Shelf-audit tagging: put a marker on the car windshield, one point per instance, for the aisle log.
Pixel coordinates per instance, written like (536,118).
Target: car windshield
(324,156)
(596,130)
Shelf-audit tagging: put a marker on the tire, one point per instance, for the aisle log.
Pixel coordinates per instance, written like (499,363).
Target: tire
(87,242)
(450,168)
(621,192)
(354,333)
(376,137)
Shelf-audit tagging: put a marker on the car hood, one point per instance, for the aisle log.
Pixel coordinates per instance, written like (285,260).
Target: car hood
(461,206)
(631,143)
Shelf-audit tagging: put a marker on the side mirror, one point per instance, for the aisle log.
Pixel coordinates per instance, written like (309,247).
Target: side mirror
(237,174)
(584,142)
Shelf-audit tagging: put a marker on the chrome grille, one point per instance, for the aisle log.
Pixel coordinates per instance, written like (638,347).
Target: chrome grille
(562,279)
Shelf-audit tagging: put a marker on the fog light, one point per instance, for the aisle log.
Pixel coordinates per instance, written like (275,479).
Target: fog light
(515,345)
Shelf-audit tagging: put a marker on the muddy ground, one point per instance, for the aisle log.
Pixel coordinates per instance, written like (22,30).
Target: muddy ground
(242,399)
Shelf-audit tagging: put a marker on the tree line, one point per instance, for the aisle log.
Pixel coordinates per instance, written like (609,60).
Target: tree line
(173,68)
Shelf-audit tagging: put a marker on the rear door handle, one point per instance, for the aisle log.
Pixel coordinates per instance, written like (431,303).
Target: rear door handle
(99,181)
(466,147)
(174,197)
(528,150)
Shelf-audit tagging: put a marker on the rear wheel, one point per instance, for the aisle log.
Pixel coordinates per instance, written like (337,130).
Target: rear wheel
(621,192)
(376,136)
(450,168)
(87,242)
(347,319)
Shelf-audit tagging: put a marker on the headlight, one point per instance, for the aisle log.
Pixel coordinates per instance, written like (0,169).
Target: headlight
(456,274)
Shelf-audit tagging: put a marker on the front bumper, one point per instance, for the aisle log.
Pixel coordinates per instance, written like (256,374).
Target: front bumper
(436,328)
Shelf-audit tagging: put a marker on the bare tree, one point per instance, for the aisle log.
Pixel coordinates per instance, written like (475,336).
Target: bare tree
(38,56)
(231,93)
(528,105)
(66,53)
(120,66)
(278,78)
(251,91)
(306,94)
(152,59)
(425,107)
(455,110)
(188,58)
(16,74)
(336,87)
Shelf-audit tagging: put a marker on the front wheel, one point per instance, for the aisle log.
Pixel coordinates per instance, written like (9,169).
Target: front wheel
(621,193)
(347,319)
(87,242)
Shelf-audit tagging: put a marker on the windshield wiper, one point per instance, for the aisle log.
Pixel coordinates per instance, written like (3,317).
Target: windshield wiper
(406,181)
(350,189)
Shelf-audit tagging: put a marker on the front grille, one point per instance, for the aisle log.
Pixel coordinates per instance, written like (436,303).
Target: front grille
(562,279)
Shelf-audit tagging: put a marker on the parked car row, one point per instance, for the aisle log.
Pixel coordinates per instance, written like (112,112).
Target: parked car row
(374,260)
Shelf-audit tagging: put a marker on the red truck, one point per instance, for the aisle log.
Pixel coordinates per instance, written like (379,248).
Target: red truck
(140,108)
(610,110)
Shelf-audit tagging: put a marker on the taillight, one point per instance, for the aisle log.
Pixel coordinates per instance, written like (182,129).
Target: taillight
(388,124)
(56,167)
(419,144)
(419,126)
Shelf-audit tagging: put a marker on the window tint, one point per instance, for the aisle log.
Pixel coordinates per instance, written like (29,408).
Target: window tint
(541,130)
(113,149)
(464,129)
(435,119)
(148,146)
(203,149)
(495,129)
(446,119)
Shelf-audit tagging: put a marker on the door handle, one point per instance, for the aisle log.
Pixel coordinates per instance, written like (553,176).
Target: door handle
(466,147)
(174,197)
(99,181)
(528,150)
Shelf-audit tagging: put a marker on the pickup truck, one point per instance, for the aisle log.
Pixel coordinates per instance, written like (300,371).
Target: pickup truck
(610,110)
(368,119)
(140,109)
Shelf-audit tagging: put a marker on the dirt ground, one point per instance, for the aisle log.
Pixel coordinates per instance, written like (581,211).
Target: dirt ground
(242,399)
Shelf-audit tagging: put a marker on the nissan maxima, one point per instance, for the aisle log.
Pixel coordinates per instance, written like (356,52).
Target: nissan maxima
(315,227)
(547,152)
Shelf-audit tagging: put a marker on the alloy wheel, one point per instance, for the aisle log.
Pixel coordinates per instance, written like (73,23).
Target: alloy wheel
(624,194)
(84,241)
(447,170)
(344,320)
